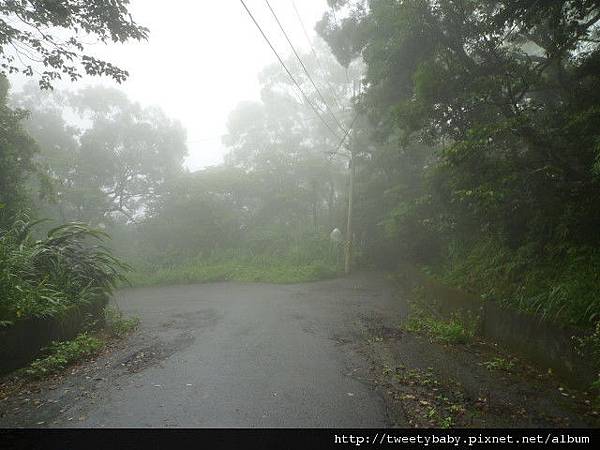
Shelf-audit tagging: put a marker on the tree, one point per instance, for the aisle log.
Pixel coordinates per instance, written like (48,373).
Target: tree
(49,35)
(129,152)
(485,120)
(17,150)
(58,153)
(110,168)
(506,91)
(200,214)
(281,142)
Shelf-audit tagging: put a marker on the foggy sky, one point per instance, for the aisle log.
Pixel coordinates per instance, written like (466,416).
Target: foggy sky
(201,59)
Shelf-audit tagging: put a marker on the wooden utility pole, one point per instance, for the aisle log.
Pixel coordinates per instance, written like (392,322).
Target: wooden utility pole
(352,172)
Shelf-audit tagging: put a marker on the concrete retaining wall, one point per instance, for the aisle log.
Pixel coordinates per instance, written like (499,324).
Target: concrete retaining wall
(547,344)
(23,341)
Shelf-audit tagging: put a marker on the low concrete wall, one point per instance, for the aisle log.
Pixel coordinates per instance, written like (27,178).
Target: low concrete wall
(546,344)
(23,341)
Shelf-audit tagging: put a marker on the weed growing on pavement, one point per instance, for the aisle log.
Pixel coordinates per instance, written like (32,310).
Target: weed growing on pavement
(117,324)
(454,330)
(499,363)
(59,355)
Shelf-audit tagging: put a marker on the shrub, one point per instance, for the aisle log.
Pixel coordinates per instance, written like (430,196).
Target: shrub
(59,355)
(43,278)
(558,282)
(117,324)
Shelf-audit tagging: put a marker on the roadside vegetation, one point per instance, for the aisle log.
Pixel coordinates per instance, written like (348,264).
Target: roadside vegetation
(43,278)
(454,330)
(561,286)
(297,264)
(500,363)
(457,328)
(484,158)
(244,270)
(473,129)
(60,355)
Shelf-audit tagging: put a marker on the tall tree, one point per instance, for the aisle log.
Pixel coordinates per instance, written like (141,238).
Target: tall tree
(114,164)
(508,93)
(17,150)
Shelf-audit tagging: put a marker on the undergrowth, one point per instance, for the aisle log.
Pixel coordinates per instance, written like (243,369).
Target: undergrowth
(45,278)
(233,270)
(456,329)
(59,355)
(117,324)
(500,363)
(560,284)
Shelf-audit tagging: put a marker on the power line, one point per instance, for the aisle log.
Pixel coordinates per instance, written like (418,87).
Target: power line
(327,107)
(287,70)
(329,86)
(337,149)
(345,136)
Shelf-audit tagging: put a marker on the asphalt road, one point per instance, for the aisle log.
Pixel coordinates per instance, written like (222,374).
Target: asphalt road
(236,355)
(324,354)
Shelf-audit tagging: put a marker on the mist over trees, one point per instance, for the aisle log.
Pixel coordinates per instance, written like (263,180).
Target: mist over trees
(485,131)
(434,163)
(474,135)
(279,185)
(109,162)
(106,161)
(473,130)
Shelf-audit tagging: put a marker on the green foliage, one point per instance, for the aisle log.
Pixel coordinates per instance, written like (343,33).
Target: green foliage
(452,330)
(59,355)
(560,284)
(117,324)
(246,269)
(589,347)
(108,172)
(499,363)
(38,48)
(46,277)
(17,151)
(484,123)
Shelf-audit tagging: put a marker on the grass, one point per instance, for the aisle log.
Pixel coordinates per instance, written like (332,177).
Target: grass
(59,355)
(557,283)
(234,270)
(453,330)
(117,324)
(499,363)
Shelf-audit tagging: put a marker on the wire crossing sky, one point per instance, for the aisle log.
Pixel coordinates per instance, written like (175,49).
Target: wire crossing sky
(213,51)
(287,38)
(306,98)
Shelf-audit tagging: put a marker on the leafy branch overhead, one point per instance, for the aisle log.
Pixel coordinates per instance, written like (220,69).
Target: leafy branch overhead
(47,38)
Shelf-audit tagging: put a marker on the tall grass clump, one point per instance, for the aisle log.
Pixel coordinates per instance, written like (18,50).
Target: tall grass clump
(44,278)
(559,283)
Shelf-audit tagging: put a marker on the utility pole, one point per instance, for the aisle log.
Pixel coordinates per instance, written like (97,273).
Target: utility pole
(349,238)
